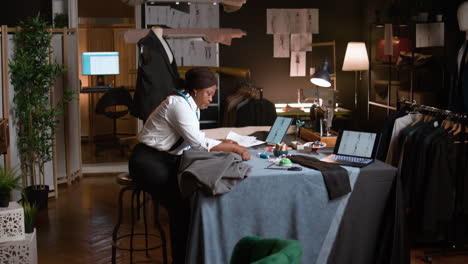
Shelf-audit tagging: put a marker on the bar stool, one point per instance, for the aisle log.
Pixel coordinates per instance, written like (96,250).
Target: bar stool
(128,184)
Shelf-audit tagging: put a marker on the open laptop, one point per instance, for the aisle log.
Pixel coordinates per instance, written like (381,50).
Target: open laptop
(278,130)
(354,148)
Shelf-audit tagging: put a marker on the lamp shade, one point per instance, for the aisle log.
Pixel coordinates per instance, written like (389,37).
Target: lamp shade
(356,58)
(322,77)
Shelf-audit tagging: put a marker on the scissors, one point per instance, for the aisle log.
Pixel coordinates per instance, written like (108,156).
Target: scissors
(286,168)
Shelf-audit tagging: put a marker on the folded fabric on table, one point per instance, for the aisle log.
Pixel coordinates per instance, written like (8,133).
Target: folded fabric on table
(335,177)
(213,172)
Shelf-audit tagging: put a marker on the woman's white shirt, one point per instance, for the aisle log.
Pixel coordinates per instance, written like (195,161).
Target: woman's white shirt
(172,119)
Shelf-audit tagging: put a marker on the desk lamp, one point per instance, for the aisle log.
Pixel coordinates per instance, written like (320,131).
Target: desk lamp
(356,60)
(322,79)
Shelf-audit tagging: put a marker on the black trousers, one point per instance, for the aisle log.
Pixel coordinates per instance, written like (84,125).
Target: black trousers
(156,172)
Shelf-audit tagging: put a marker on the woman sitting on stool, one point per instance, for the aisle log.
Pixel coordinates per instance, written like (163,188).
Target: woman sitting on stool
(170,129)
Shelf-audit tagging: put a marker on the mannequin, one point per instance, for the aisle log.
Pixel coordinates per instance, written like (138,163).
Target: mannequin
(158,31)
(459,87)
(157,74)
(462,15)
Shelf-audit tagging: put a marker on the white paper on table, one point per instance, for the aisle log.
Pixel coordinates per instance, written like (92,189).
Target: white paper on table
(245,141)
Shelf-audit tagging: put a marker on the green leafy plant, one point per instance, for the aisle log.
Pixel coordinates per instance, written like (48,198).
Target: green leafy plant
(30,211)
(9,179)
(32,76)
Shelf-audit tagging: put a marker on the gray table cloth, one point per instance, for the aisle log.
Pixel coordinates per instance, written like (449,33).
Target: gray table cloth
(271,203)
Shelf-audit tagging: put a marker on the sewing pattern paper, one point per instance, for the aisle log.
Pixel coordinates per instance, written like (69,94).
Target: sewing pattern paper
(298,64)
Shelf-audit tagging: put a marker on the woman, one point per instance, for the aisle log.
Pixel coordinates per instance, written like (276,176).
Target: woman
(170,129)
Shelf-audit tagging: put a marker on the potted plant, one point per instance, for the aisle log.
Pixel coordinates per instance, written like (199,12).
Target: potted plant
(9,180)
(32,76)
(29,215)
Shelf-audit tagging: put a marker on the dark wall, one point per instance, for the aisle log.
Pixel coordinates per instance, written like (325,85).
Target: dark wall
(104,8)
(12,12)
(339,20)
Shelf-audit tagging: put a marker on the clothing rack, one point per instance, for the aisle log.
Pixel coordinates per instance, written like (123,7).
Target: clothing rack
(455,243)
(448,113)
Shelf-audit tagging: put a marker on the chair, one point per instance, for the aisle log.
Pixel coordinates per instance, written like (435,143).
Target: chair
(257,250)
(128,184)
(114,104)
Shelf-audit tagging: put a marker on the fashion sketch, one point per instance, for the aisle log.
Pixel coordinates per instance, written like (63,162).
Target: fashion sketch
(357,143)
(298,63)
(281,46)
(312,16)
(278,21)
(301,42)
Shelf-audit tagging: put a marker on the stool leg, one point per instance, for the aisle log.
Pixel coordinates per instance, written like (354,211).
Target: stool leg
(115,232)
(138,206)
(134,193)
(161,231)
(145,224)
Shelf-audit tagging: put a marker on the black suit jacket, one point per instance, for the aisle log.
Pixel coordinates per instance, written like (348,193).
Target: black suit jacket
(156,78)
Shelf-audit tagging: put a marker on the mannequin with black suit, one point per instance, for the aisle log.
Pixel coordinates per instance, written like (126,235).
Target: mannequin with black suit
(157,73)
(459,88)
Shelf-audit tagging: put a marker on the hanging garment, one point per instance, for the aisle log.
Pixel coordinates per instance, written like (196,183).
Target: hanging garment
(458,98)
(157,76)
(387,134)
(259,112)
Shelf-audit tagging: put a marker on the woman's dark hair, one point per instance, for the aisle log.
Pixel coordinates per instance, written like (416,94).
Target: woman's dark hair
(199,78)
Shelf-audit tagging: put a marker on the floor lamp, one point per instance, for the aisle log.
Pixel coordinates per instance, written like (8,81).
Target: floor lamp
(356,60)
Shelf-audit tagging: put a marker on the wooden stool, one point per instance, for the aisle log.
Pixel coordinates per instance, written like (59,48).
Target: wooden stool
(129,185)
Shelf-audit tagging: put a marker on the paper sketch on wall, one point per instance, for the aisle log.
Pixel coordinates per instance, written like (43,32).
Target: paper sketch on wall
(292,31)
(298,63)
(199,16)
(429,35)
(282,21)
(281,46)
(301,42)
(193,52)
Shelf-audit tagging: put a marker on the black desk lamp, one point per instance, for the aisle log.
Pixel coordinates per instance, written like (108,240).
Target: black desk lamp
(322,77)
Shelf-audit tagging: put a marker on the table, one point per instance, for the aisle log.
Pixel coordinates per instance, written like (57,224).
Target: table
(293,205)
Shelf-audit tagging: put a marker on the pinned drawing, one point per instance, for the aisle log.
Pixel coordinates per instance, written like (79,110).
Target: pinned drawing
(430,35)
(278,21)
(301,42)
(297,20)
(287,21)
(312,16)
(281,46)
(298,63)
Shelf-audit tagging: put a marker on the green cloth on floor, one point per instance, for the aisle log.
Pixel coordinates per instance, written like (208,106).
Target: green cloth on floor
(257,250)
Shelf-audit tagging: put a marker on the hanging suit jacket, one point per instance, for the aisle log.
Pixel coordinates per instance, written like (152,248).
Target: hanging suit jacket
(458,100)
(156,78)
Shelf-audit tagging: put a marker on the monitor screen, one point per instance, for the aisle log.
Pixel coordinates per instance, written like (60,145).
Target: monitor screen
(100,63)
(278,130)
(355,143)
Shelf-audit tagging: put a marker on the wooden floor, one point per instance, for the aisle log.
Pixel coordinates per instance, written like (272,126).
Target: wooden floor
(77,227)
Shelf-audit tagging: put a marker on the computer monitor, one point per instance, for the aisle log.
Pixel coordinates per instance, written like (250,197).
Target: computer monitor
(100,63)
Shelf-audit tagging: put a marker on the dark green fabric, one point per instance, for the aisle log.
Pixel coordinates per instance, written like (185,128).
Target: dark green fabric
(257,250)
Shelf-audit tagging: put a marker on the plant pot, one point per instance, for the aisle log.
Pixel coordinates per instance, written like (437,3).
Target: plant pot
(38,195)
(29,227)
(4,199)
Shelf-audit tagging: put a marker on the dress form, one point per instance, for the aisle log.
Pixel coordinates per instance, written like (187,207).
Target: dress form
(461,81)
(159,33)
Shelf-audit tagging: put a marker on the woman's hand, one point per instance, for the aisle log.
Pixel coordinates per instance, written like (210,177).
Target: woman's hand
(231,147)
(244,153)
(229,141)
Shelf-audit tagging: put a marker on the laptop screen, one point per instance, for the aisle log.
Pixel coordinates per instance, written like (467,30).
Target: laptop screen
(278,130)
(357,144)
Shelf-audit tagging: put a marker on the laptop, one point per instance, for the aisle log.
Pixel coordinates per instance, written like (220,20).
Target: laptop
(354,148)
(278,130)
